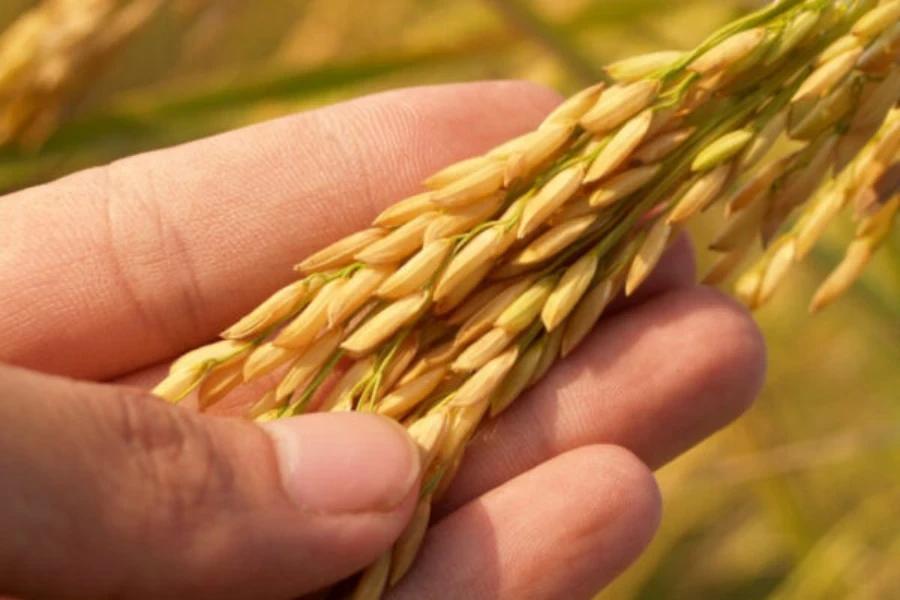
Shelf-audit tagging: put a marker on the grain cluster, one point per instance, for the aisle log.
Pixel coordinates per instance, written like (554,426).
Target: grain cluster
(460,298)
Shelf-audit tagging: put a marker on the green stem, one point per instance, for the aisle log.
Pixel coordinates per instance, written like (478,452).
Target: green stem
(292,409)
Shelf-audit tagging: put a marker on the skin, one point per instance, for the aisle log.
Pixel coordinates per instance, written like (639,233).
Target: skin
(111,273)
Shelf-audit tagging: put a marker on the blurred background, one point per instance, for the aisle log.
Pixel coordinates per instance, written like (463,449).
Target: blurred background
(800,499)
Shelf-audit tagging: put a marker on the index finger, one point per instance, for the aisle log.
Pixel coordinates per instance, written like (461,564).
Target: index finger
(123,266)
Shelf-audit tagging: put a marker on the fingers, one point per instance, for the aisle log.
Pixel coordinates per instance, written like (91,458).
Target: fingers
(121,267)
(564,529)
(656,379)
(108,493)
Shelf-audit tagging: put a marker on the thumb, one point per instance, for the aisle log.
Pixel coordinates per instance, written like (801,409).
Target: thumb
(108,492)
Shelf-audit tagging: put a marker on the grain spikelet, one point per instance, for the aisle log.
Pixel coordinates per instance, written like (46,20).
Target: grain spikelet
(374,579)
(572,286)
(623,185)
(569,112)
(782,259)
(218,383)
(763,142)
(518,379)
(178,384)
(215,352)
(402,213)
(704,191)
(429,433)
(661,146)
(722,150)
(410,394)
(586,315)
(341,253)
(265,359)
(553,241)
(648,256)
(472,188)
(383,325)
(729,52)
(456,172)
(399,244)
(486,348)
(620,147)
(300,332)
(349,382)
(462,220)
(480,322)
(877,20)
(549,198)
(356,292)
(279,305)
(458,295)
(827,76)
(467,262)
(308,364)
(417,271)
(639,67)
(407,546)
(549,356)
(618,104)
(479,387)
(522,312)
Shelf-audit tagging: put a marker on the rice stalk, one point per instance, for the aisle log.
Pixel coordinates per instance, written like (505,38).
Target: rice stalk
(462,297)
(52,53)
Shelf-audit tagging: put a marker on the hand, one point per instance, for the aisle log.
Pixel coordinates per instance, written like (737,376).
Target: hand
(110,273)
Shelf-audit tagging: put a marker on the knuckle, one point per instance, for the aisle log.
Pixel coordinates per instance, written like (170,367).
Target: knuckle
(143,262)
(175,464)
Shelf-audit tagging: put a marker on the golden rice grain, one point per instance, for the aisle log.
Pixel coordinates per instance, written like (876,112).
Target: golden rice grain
(619,104)
(410,394)
(729,51)
(301,332)
(341,253)
(385,324)
(484,349)
(407,546)
(356,292)
(399,244)
(478,388)
(549,198)
(586,315)
(620,147)
(568,292)
(374,579)
(648,256)
(417,271)
(519,378)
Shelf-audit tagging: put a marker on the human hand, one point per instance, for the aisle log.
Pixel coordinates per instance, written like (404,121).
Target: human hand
(110,273)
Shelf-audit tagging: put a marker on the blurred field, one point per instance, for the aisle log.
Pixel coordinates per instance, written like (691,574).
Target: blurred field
(800,500)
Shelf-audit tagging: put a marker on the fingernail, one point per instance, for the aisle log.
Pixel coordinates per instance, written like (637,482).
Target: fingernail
(344,462)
